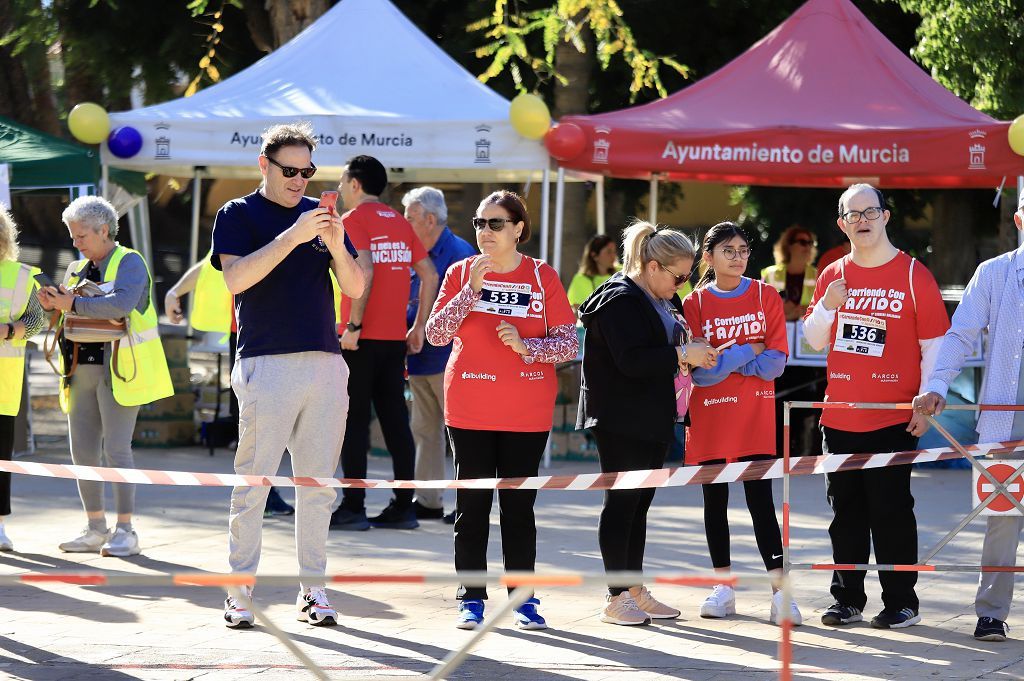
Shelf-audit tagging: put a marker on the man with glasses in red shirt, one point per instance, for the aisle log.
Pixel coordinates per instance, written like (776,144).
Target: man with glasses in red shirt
(880,313)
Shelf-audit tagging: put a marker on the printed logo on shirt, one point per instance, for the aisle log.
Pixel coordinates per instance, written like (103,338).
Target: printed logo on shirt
(885,378)
(387,213)
(876,300)
(388,252)
(724,328)
(474,376)
(532,375)
(729,399)
(766,392)
(837,376)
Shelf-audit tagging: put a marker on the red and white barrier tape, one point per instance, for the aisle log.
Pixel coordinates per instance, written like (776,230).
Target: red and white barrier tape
(662,477)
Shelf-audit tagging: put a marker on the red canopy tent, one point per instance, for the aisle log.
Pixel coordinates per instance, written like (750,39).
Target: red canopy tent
(823,100)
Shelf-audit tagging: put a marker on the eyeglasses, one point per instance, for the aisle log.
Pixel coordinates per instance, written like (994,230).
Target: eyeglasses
(680,278)
(802,242)
(731,253)
(494,224)
(291,171)
(852,217)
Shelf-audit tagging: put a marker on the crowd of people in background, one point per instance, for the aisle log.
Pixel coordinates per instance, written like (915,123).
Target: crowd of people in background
(480,332)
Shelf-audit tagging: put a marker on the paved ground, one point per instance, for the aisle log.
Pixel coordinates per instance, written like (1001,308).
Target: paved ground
(101,634)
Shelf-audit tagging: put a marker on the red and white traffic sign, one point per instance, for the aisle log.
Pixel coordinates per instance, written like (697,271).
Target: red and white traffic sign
(982,489)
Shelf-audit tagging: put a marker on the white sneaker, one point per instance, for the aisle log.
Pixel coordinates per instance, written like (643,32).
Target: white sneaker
(90,541)
(720,603)
(777,606)
(314,608)
(5,542)
(123,543)
(237,615)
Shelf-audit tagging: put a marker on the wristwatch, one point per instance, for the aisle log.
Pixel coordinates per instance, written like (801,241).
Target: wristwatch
(353,327)
(10,332)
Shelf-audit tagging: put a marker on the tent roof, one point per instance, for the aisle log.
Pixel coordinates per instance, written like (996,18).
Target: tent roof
(41,161)
(825,80)
(368,80)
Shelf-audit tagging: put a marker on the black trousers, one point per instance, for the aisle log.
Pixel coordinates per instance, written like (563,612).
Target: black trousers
(872,506)
(6,452)
(489,454)
(622,532)
(760,504)
(377,376)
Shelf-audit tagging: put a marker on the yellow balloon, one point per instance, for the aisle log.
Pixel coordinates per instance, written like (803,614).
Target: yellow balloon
(1016,135)
(530,116)
(89,123)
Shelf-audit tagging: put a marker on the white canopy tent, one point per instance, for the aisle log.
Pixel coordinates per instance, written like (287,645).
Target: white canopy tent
(370,83)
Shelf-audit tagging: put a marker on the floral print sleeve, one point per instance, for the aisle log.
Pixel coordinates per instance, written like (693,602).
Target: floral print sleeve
(446,318)
(560,345)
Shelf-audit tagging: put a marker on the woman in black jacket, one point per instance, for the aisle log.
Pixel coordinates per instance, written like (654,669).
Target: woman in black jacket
(636,344)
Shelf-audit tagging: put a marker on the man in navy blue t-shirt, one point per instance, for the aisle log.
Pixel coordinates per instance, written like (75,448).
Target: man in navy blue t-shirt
(277,249)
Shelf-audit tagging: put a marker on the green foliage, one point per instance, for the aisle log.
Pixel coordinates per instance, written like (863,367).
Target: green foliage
(975,48)
(514,38)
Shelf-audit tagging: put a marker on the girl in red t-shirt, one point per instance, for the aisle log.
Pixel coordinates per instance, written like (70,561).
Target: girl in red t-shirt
(744,318)
(511,322)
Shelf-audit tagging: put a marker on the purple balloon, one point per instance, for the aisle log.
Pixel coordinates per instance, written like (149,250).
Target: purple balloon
(124,142)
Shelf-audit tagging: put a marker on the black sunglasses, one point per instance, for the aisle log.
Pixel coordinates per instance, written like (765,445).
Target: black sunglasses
(290,171)
(802,242)
(494,224)
(680,278)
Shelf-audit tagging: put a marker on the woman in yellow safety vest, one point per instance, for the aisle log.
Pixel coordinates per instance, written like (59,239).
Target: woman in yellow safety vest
(793,273)
(20,318)
(102,399)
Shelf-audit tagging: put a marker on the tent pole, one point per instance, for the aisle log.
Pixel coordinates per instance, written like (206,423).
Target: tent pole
(545,209)
(193,244)
(104,181)
(599,206)
(652,208)
(559,214)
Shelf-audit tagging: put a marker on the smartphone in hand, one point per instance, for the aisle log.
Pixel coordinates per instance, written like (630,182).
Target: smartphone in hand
(329,200)
(46,281)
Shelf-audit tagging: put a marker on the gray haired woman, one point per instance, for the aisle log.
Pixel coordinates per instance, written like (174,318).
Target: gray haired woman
(101,402)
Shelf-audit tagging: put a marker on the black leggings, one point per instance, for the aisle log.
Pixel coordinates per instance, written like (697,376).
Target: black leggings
(488,454)
(762,512)
(622,533)
(6,450)
(377,375)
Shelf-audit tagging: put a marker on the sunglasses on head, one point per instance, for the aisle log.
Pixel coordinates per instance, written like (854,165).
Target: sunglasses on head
(291,171)
(494,224)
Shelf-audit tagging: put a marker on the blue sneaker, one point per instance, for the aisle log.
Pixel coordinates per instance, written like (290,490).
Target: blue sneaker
(527,617)
(471,614)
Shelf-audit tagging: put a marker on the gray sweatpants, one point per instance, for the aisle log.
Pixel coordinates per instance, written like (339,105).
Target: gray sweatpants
(100,431)
(297,401)
(428,432)
(995,589)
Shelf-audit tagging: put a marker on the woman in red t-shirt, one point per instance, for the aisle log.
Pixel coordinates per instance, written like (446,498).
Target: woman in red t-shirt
(744,319)
(511,322)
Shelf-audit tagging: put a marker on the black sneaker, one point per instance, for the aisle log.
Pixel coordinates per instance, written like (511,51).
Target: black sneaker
(991,629)
(449,519)
(344,519)
(426,513)
(396,517)
(276,505)
(839,614)
(895,619)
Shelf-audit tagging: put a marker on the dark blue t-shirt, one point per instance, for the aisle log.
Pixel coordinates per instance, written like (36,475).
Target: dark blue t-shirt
(292,308)
(448,250)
